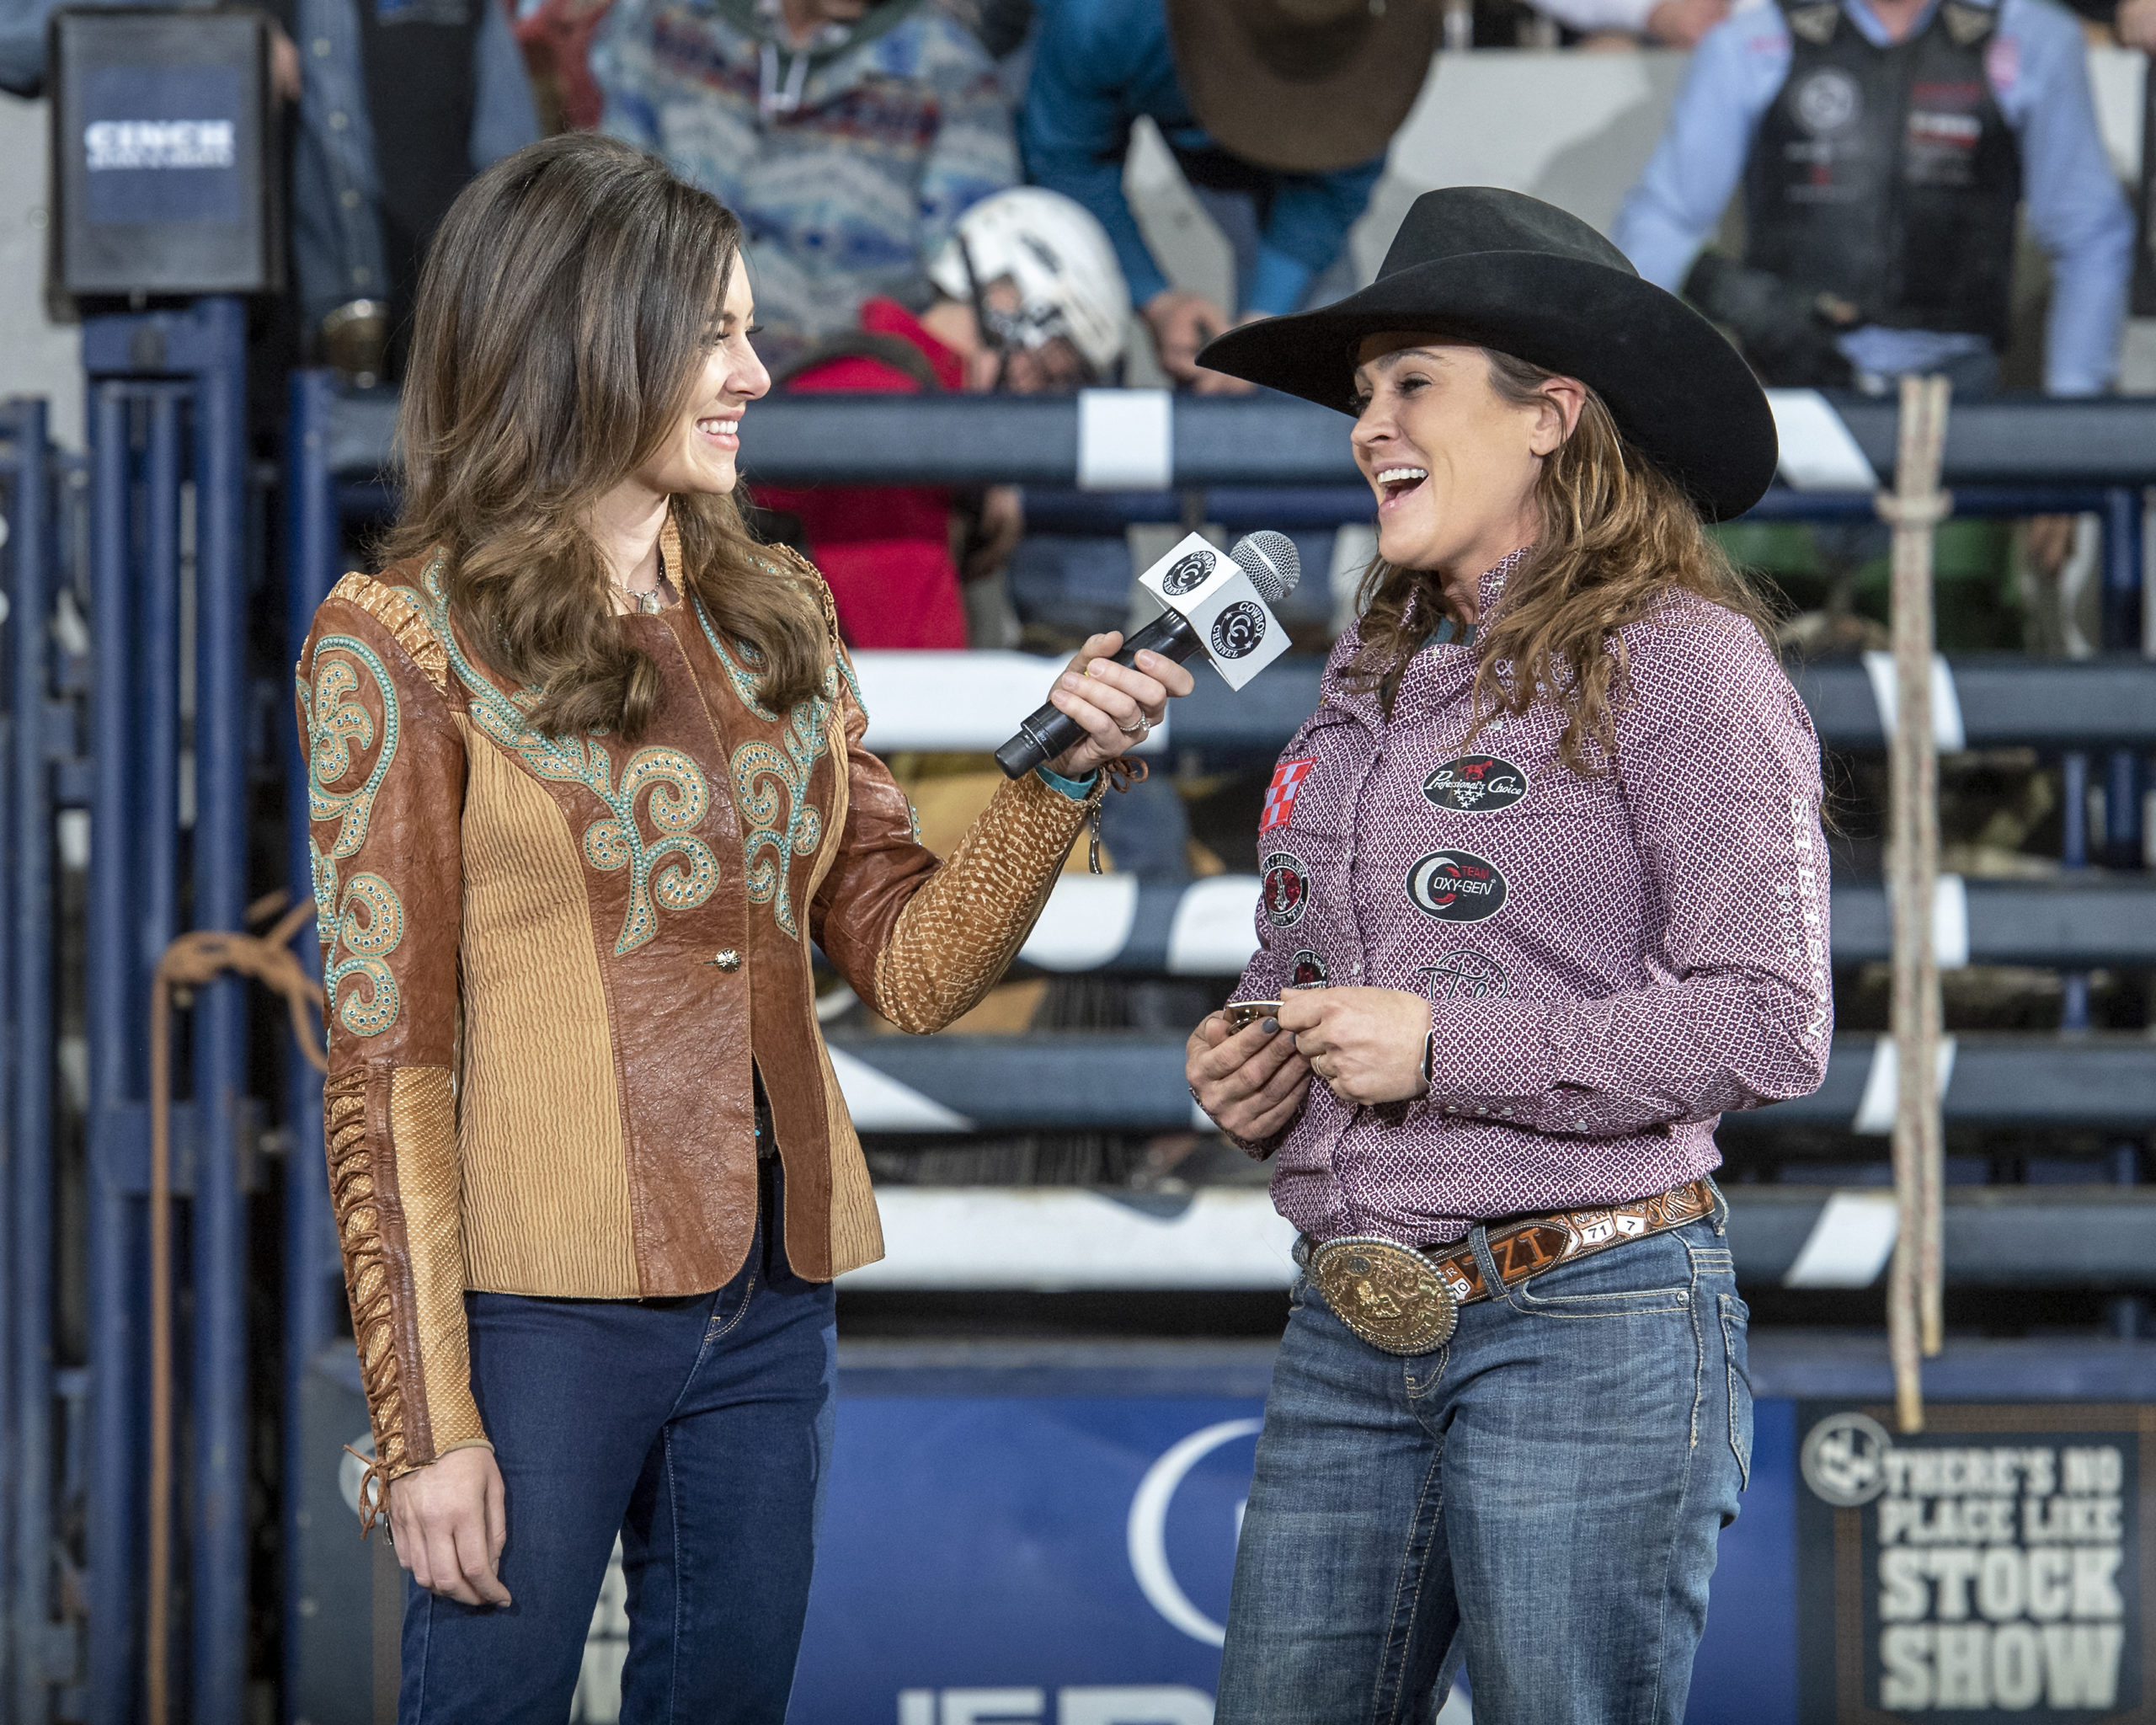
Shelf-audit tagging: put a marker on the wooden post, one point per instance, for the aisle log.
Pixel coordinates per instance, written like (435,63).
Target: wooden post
(1915,1319)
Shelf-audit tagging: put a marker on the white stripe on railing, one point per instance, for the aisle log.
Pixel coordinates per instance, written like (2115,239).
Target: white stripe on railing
(1950,922)
(1126,439)
(1882,1086)
(878,1104)
(1214,932)
(1850,1243)
(1817,452)
(1948,734)
(1085,923)
(1050,1240)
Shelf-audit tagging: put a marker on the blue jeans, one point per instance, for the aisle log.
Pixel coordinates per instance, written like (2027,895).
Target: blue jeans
(697,1428)
(1542,1495)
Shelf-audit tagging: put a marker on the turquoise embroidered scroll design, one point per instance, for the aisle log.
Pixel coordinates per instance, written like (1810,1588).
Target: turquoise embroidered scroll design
(677,871)
(367,919)
(770,780)
(369,926)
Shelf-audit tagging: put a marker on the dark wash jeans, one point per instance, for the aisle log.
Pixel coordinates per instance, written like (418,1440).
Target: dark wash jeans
(1542,1496)
(699,1429)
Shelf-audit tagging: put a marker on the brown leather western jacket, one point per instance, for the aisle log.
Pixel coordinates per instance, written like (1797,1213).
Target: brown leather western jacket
(551,961)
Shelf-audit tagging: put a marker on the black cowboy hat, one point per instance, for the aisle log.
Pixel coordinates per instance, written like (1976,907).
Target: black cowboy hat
(1512,273)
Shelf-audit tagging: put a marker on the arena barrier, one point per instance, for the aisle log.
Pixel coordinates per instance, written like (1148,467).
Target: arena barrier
(1118,924)
(126,763)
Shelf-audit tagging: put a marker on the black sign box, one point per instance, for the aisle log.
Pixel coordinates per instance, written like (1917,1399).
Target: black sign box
(1997,1567)
(162,180)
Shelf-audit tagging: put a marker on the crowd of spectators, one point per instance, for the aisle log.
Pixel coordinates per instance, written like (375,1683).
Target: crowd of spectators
(1887,155)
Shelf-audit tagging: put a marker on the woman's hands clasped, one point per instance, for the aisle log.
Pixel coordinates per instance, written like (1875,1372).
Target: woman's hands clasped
(1118,704)
(1364,1044)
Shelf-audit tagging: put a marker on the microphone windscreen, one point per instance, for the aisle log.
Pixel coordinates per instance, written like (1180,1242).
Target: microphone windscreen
(1271,561)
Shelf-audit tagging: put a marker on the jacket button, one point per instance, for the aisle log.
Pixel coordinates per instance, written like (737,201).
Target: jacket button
(728,959)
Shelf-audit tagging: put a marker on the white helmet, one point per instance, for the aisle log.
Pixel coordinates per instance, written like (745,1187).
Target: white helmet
(1060,259)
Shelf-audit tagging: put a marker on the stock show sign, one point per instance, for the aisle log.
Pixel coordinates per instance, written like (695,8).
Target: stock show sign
(1991,1568)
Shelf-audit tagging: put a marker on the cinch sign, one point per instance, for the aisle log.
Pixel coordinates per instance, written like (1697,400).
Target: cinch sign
(1990,1567)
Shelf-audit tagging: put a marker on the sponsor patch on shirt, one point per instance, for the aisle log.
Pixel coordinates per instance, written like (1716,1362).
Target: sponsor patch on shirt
(1310,969)
(1280,795)
(1475,784)
(1464,976)
(1455,886)
(1285,889)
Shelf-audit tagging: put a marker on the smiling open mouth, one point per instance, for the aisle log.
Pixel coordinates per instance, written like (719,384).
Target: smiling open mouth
(720,428)
(1395,483)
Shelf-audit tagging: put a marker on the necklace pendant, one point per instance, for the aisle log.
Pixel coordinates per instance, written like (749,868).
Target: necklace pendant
(648,603)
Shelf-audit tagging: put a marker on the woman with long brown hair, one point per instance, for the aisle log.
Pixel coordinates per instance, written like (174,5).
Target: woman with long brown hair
(1545,894)
(587,785)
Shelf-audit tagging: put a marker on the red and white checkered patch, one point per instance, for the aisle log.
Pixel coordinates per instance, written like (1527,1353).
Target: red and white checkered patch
(1280,795)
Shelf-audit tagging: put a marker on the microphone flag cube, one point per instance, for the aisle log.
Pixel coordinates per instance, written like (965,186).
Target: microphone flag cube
(1240,634)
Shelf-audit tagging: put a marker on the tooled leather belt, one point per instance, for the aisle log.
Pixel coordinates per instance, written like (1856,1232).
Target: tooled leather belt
(1405,1301)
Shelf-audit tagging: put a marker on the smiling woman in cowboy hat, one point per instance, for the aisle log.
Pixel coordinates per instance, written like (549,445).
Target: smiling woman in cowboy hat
(1546,894)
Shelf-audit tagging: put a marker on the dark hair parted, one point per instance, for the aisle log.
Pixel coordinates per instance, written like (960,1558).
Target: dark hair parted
(1617,537)
(563,319)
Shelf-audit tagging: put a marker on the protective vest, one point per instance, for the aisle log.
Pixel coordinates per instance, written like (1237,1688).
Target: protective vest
(1888,176)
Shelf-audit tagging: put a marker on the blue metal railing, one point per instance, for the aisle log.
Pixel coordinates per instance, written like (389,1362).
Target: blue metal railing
(26,941)
(167,397)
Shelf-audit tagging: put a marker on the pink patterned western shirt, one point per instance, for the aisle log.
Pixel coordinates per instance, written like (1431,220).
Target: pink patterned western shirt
(1611,962)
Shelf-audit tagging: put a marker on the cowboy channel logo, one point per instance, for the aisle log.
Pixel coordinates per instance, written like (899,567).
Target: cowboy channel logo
(1985,1568)
(1285,889)
(1186,574)
(1239,631)
(1475,784)
(1455,886)
(1310,969)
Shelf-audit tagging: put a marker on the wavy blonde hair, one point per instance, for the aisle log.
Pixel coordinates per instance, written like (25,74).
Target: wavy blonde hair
(563,322)
(1618,536)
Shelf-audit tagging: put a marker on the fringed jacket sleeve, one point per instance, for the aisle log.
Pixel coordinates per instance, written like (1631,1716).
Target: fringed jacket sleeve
(385,783)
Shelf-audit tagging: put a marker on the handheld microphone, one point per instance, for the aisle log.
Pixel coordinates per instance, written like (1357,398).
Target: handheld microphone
(1221,606)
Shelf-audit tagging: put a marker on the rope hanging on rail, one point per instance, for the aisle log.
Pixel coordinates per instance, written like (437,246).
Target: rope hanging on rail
(189,962)
(1915,1318)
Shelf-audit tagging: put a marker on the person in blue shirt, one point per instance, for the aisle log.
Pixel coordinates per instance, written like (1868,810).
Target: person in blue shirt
(1279,114)
(1886,148)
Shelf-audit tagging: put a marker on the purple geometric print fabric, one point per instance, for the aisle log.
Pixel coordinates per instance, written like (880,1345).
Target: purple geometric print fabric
(1612,962)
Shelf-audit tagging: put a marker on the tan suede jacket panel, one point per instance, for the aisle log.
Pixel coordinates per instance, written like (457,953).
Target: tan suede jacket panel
(551,962)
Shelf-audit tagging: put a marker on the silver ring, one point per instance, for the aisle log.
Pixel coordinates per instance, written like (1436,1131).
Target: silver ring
(1139,729)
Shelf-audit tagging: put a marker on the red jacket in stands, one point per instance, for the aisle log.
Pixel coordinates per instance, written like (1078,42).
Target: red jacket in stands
(885,550)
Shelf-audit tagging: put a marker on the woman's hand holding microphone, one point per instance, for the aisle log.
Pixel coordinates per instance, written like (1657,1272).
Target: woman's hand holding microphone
(1364,1044)
(1118,704)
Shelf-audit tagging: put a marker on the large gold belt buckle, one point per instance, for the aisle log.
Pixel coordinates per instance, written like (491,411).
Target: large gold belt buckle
(1389,1295)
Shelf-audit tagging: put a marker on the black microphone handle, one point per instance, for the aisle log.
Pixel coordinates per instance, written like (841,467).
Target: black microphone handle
(1049,730)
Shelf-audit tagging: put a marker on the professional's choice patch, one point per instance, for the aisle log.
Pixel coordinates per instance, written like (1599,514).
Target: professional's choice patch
(1310,969)
(1285,890)
(1280,795)
(1239,631)
(1188,573)
(1464,976)
(1475,784)
(1455,886)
